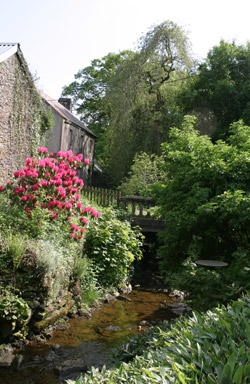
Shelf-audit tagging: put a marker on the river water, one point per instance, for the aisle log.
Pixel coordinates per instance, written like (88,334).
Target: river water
(86,342)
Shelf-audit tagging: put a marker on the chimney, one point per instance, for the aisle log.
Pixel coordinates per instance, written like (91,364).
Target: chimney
(66,102)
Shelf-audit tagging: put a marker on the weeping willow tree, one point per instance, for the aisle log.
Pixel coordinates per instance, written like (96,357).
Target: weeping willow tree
(142,94)
(128,99)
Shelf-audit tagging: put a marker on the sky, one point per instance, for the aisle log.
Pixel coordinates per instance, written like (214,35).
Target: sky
(60,37)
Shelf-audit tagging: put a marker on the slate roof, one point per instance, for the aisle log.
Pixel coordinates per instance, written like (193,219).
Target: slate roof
(66,114)
(7,50)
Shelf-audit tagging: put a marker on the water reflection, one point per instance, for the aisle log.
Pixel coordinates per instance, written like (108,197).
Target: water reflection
(86,342)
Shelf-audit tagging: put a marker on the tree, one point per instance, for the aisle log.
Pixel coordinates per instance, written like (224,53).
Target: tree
(88,92)
(145,170)
(127,99)
(206,197)
(142,95)
(221,88)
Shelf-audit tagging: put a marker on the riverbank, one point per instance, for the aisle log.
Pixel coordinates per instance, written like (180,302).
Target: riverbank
(83,342)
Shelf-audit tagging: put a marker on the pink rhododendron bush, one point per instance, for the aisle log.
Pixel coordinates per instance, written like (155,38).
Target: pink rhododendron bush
(48,189)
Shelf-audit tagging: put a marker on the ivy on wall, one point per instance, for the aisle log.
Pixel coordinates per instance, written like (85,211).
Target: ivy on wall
(29,118)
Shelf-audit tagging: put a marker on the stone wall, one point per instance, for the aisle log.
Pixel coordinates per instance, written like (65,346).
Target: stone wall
(20,115)
(64,136)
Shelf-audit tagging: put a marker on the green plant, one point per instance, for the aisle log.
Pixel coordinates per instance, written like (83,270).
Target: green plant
(145,170)
(80,268)
(13,311)
(50,184)
(206,195)
(113,246)
(16,248)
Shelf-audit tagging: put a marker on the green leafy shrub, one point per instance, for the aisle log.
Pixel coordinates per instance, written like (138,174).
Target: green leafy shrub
(210,286)
(207,349)
(14,314)
(145,170)
(206,194)
(113,246)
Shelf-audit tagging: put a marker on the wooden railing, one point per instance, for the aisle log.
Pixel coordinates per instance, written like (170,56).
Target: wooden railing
(101,196)
(140,208)
(137,205)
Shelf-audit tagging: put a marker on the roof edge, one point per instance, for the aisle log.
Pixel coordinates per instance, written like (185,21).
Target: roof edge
(11,49)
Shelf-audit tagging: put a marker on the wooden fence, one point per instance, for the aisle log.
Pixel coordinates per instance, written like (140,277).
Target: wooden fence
(136,205)
(101,196)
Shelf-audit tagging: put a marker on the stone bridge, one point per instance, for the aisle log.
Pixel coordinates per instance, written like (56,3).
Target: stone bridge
(142,210)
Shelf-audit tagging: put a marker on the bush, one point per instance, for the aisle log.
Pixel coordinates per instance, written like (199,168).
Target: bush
(146,169)
(113,246)
(47,190)
(14,314)
(206,195)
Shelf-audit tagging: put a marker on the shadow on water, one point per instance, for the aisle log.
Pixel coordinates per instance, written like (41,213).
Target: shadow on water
(86,342)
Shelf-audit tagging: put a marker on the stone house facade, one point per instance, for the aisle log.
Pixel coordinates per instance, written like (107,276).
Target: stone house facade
(68,132)
(25,122)
(21,111)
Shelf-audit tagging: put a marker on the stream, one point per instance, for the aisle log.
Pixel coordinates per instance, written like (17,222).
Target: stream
(87,342)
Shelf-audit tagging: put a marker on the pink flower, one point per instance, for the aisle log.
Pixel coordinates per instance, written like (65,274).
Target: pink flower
(27,209)
(54,216)
(83,230)
(61,154)
(69,205)
(75,227)
(29,216)
(79,205)
(42,164)
(28,161)
(44,183)
(16,174)
(70,217)
(86,161)
(1,189)
(80,182)
(77,197)
(24,198)
(42,150)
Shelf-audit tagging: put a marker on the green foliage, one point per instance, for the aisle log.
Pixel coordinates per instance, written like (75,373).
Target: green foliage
(210,286)
(142,97)
(80,268)
(128,99)
(113,246)
(206,349)
(206,195)
(14,310)
(145,170)
(221,87)
(89,90)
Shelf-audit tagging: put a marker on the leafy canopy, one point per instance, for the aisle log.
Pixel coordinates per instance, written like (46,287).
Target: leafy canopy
(128,99)
(221,86)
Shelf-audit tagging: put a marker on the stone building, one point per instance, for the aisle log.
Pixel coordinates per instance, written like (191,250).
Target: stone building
(21,110)
(68,132)
(25,118)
